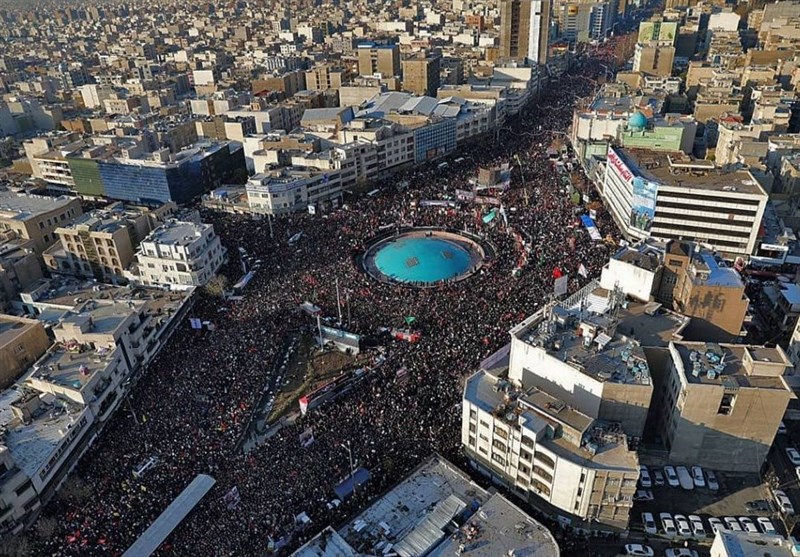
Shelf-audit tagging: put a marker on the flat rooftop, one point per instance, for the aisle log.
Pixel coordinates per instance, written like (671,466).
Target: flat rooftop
(535,408)
(97,318)
(177,233)
(439,507)
(727,361)
(33,444)
(71,365)
(689,173)
(12,328)
(21,206)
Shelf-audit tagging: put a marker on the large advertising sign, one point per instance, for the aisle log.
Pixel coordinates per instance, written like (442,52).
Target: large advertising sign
(622,169)
(643,204)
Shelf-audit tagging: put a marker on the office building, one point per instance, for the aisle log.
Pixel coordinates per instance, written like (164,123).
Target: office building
(670,196)
(378,59)
(421,75)
(36,218)
(178,255)
(153,179)
(524,30)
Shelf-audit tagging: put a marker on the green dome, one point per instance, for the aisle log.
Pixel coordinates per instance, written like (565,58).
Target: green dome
(637,121)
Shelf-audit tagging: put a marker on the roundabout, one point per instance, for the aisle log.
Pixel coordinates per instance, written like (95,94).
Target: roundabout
(423,258)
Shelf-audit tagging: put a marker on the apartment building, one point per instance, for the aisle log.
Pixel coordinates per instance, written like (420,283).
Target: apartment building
(378,59)
(654,53)
(324,76)
(550,414)
(36,218)
(670,196)
(421,74)
(178,255)
(524,30)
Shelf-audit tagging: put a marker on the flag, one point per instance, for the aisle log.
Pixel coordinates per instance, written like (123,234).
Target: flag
(410,319)
(557,273)
(232,498)
(583,272)
(303,405)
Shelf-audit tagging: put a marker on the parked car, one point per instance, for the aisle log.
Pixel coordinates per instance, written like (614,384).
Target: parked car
(698,532)
(144,466)
(782,428)
(682,524)
(759,505)
(639,549)
(716,525)
(644,477)
(658,477)
(794,455)
(697,477)
(712,482)
(684,477)
(672,476)
(783,502)
(747,525)
(766,525)
(643,495)
(732,524)
(797,472)
(649,523)
(680,552)
(667,524)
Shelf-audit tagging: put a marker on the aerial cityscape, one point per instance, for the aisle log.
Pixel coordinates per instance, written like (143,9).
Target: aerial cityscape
(334,278)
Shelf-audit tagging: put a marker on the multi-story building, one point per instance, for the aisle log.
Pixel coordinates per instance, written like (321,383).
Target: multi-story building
(721,404)
(36,218)
(655,49)
(159,177)
(178,255)
(378,59)
(670,196)
(421,74)
(99,244)
(524,30)
(22,342)
(549,415)
(324,76)
(293,189)
(19,267)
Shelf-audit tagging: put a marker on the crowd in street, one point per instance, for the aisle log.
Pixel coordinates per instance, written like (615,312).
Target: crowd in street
(193,403)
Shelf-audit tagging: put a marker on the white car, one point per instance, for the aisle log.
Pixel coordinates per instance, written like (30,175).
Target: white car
(716,525)
(797,472)
(643,495)
(684,529)
(793,455)
(649,523)
(748,525)
(681,552)
(644,477)
(144,466)
(658,478)
(639,549)
(783,502)
(697,526)
(697,477)
(672,476)
(667,525)
(732,524)
(712,482)
(766,525)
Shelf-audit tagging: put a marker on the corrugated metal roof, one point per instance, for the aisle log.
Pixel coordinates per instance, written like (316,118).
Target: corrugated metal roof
(430,531)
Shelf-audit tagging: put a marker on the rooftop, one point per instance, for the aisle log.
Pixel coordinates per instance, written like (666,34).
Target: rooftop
(32,444)
(21,206)
(71,364)
(175,232)
(680,170)
(732,366)
(437,508)
(11,328)
(742,544)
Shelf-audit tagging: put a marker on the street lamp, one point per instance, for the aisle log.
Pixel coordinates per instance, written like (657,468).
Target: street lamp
(350,456)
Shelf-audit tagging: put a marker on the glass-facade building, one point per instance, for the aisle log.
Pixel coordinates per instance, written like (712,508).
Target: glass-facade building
(149,182)
(434,140)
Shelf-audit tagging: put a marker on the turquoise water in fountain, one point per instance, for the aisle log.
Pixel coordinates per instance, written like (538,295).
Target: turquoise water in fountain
(427,259)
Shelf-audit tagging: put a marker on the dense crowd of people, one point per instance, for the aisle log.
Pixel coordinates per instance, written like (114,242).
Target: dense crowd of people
(194,401)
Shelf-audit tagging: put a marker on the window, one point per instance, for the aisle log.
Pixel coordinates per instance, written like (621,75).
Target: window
(525,455)
(473,414)
(472,428)
(499,445)
(501,433)
(484,424)
(726,404)
(23,488)
(499,459)
(527,442)
(483,436)
(544,459)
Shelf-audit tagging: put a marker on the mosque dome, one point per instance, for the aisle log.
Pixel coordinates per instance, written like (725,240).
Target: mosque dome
(637,121)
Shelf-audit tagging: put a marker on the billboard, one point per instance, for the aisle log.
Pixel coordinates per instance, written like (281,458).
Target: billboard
(643,204)
(658,31)
(616,162)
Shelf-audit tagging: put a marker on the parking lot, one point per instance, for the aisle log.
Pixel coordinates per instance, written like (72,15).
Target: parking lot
(738,496)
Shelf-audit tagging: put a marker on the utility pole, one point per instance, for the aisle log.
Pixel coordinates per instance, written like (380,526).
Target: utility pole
(319,329)
(350,456)
(338,301)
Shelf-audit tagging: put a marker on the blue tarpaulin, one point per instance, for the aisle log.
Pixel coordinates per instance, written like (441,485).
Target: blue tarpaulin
(345,489)
(591,227)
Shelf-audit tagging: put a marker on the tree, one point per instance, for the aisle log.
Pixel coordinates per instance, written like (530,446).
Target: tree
(216,286)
